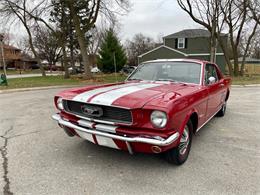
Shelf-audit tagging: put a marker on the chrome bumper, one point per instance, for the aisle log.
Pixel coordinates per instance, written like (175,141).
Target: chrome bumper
(152,141)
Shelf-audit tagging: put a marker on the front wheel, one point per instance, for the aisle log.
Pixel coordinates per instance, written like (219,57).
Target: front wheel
(222,110)
(179,154)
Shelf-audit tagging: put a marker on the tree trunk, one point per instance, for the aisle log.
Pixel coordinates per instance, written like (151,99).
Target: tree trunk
(35,53)
(213,49)
(213,41)
(242,71)
(63,43)
(65,62)
(246,50)
(82,43)
(236,64)
(225,51)
(71,45)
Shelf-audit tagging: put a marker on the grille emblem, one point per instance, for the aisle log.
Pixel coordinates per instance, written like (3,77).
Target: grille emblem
(91,110)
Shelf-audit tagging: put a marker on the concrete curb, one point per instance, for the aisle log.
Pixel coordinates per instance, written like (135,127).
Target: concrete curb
(68,86)
(36,88)
(251,85)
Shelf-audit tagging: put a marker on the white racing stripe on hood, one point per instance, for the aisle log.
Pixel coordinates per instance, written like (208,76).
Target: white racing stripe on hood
(83,97)
(109,97)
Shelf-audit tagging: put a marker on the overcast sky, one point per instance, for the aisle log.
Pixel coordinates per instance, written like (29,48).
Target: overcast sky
(150,17)
(154,17)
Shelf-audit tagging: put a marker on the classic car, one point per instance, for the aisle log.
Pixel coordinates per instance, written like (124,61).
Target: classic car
(157,109)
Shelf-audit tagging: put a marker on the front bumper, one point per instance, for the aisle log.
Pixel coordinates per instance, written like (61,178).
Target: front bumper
(152,141)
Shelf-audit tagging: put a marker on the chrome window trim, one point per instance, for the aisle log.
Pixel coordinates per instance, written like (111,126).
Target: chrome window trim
(176,60)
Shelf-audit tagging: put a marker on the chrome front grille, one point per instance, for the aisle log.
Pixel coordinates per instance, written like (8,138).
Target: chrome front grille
(106,113)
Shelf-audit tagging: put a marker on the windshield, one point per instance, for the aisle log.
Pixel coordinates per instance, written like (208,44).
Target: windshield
(187,72)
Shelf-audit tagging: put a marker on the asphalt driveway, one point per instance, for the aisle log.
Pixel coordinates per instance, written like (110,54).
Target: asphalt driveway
(38,158)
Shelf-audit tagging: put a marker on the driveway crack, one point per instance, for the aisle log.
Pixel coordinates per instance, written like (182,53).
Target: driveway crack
(3,151)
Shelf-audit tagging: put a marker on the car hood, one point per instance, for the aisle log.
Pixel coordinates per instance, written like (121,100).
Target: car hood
(128,94)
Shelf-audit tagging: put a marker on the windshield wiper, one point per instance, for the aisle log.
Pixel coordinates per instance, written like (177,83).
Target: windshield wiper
(171,80)
(134,79)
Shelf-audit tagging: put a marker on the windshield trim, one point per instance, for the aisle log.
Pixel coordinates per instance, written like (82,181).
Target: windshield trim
(201,71)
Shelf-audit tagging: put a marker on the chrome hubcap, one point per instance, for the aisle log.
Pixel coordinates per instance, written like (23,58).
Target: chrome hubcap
(224,108)
(185,140)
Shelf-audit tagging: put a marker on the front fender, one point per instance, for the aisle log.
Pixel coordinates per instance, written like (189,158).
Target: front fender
(185,121)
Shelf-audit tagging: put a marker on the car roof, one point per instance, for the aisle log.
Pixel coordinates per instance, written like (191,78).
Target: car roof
(177,60)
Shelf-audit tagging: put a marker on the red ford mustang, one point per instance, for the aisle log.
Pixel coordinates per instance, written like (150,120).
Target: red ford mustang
(156,110)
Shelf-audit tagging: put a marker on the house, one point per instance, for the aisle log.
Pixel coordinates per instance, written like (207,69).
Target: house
(14,58)
(189,43)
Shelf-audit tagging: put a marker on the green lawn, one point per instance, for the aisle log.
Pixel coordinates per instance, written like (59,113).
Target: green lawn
(110,78)
(246,80)
(59,80)
(99,78)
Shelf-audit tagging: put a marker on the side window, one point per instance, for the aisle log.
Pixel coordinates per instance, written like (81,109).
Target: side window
(210,71)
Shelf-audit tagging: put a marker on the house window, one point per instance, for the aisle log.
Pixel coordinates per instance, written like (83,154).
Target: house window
(181,43)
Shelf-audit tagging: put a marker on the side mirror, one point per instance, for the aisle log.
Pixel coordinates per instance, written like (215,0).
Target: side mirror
(211,80)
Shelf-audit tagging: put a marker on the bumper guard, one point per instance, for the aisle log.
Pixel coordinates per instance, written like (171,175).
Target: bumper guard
(152,141)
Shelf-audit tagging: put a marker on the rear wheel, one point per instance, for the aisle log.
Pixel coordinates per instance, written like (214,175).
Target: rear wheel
(179,154)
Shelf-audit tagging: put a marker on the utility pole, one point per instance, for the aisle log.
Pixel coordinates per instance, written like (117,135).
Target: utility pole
(115,64)
(2,53)
(3,79)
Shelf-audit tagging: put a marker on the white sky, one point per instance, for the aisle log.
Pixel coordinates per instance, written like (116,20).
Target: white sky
(150,17)
(154,17)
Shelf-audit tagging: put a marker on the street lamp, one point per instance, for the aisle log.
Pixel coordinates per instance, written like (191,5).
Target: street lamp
(3,78)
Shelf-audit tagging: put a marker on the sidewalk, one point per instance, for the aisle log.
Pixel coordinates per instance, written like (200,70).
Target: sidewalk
(12,76)
(36,88)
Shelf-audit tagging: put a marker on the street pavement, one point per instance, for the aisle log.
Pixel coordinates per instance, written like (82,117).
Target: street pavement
(38,158)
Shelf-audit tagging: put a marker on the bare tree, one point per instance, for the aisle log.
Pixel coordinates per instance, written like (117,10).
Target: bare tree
(85,14)
(216,16)
(205,13)
(254,6)
(16,9)
(97,34)
(47,45)
(255,46)
(137,46)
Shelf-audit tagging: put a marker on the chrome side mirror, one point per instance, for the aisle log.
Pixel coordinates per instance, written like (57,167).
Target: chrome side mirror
(211,80)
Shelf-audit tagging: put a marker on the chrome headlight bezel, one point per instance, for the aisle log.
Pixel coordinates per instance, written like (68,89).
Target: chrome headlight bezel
(60,103)
(158,119)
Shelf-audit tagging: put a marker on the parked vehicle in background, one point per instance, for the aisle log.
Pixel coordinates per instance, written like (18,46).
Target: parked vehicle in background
(50,67)
(156,110)
(78,70)
(128,69)
(95,70)
(35,66)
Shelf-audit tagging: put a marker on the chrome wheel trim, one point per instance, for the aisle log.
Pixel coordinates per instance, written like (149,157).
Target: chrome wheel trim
(224,107)
(185,140)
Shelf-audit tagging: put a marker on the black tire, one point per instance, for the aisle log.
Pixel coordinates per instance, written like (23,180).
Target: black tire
(177,155)
(222,111)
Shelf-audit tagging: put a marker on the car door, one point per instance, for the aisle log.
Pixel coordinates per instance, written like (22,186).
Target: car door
(214,89)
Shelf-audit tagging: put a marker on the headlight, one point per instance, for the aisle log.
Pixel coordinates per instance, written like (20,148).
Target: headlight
(158,119)
(60,104)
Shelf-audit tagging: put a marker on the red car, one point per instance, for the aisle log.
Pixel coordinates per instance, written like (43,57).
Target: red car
(156,110)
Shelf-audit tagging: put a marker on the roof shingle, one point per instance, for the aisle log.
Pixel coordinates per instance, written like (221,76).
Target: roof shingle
(191,33)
